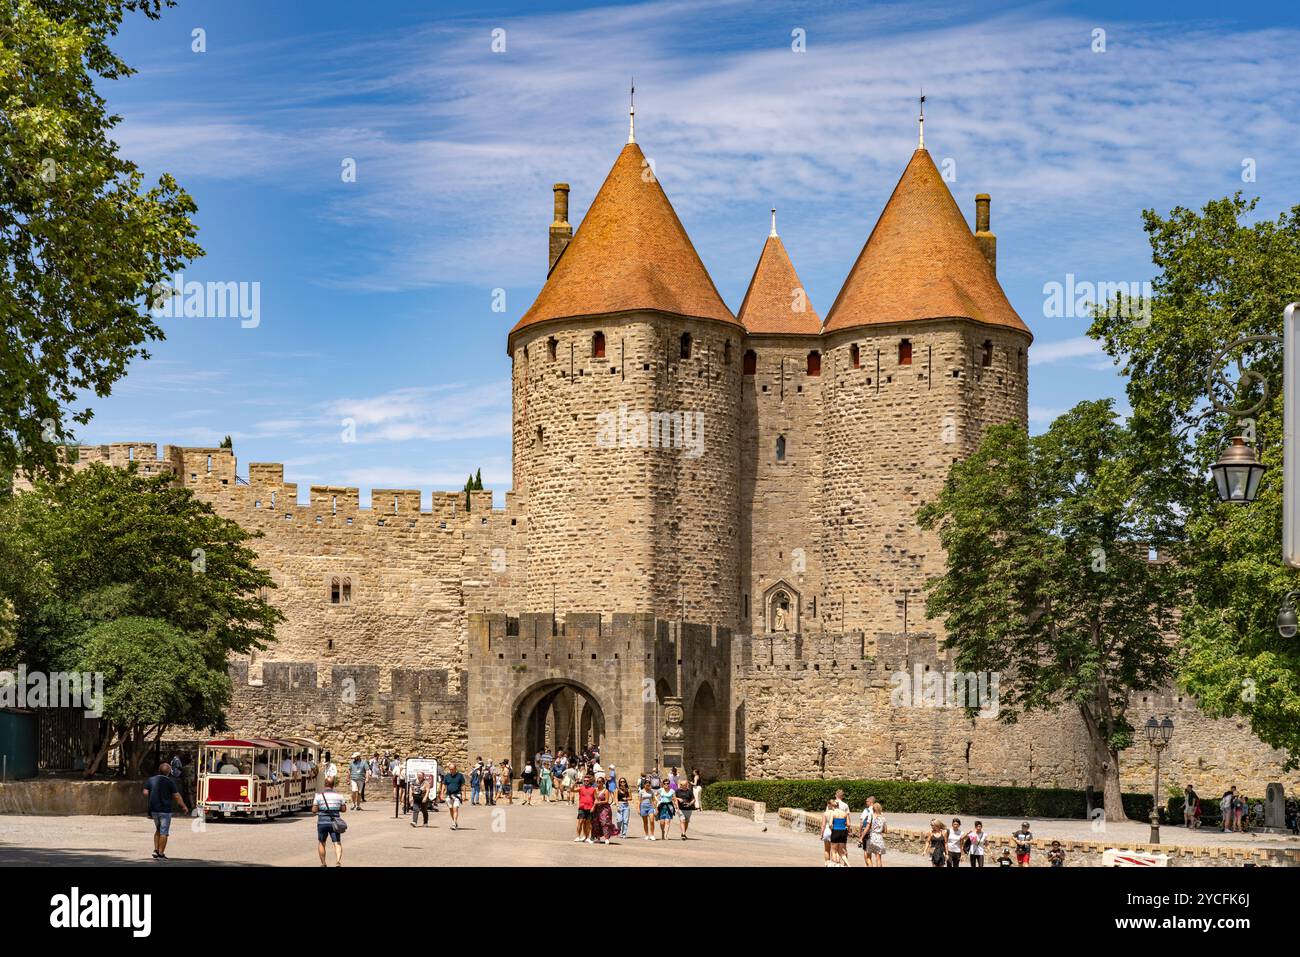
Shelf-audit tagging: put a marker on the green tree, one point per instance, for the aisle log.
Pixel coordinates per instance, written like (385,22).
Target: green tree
(1221,277)
(478,480)
(83,553)
(82,243)
(155,677)
(1048,582)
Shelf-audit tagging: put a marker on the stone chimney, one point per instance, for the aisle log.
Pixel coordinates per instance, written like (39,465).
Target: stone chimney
(983,235)
(561,231)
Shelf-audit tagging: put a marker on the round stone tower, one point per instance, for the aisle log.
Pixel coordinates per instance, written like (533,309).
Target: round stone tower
(626,390)
(923,352)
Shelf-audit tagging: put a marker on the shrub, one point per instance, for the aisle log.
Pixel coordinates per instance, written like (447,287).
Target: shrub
(922,797)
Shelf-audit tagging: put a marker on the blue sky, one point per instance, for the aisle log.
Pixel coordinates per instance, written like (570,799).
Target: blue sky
(376,295)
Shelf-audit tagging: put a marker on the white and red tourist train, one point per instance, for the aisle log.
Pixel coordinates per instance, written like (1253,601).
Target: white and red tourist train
(257,778)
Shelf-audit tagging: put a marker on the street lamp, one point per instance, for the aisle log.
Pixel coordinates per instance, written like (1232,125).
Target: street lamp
(1237,473)
(1158,735)
(1287,622)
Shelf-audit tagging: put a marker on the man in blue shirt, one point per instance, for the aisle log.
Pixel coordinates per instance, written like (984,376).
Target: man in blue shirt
(161,790)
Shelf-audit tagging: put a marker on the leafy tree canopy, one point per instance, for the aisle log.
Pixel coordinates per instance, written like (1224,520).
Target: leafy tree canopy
(83,243)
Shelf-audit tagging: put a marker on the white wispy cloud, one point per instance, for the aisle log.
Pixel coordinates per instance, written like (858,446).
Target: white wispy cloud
(454,159)
(1077,347)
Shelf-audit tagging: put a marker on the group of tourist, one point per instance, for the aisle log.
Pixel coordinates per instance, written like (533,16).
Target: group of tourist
(946,845)
(605,802)
(1236,812)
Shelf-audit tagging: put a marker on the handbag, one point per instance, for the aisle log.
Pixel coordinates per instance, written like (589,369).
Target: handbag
(337,824)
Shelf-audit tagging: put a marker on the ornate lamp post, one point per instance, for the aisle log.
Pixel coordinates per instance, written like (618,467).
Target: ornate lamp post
(1158,735)
(1237,473)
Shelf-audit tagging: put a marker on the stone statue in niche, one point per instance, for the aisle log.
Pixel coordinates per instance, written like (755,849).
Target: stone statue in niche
(781,613)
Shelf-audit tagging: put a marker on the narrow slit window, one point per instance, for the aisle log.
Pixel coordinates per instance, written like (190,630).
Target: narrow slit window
(780,448)
(855,356)
(986,354)
(905,352)
(686,345)
(552,344)
(598,346)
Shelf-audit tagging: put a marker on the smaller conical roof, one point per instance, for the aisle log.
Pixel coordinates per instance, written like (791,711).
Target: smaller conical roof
(630,253)
(921,262)
(776,301)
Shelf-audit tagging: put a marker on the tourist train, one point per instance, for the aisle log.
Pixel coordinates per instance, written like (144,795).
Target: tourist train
(257,778)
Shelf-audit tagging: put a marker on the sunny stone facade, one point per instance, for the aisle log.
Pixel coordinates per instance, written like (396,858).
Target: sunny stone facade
(710,554)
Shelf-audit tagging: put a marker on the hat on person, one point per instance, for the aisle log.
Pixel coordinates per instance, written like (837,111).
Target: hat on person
(356,754)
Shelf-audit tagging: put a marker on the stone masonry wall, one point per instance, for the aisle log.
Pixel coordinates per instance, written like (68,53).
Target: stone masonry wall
(780,500)
(802,690)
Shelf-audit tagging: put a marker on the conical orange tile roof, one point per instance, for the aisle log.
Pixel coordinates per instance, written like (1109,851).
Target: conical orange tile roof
(921,262)
(776,301)
(629,253)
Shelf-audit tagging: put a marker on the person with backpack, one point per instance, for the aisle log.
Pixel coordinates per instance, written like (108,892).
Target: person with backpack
(330,807)
(420,799)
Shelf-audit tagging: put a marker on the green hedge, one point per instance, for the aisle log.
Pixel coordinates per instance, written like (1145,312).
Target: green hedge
(920,797)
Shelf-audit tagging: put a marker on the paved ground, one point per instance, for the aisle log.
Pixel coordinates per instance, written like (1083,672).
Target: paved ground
(517,835)
(1081,830)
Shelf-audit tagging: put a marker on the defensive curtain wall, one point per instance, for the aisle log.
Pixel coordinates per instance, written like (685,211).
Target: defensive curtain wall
(391,642)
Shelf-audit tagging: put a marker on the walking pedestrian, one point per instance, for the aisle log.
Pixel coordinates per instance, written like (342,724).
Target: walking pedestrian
(586,797)
(544,784)
(646,796)
(975,842)
(357,779)
(603,813)
(684,804)
(837,827)
(697,785)
(935,844)
(528,781)
(664,808)
(475,781)
(162,792)
(420,799)
(874,847)
(330,806)
(623,797)
(1024,844)
(952,843)
(453,785)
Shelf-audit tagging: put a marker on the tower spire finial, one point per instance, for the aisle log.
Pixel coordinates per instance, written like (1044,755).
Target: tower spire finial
(920,141)
(631,113)
(773,232)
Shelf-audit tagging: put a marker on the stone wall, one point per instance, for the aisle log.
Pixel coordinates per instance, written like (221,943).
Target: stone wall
(420,712)
(646,529)
(892,431)
(780,498)
(847,691)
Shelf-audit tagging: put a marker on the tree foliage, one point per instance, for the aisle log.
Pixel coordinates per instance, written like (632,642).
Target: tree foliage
(103,560)
(1221,278)
(82,240)
(1049,583)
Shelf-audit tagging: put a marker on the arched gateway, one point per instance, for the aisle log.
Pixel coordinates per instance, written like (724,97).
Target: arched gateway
(555,714)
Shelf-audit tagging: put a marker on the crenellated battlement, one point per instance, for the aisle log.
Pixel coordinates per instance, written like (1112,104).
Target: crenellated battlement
(212,471)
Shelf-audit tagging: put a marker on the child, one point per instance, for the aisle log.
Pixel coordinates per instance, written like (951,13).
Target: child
(1056,856)
(1023,837)
(1005,860)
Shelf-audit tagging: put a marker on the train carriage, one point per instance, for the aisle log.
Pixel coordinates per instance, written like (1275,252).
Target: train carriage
(256,778)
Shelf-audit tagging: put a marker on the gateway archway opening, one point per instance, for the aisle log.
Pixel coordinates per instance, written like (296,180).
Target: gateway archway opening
(553,716)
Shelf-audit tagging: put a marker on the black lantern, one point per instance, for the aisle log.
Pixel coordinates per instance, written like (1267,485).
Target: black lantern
(1237,473)
(1287,622)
